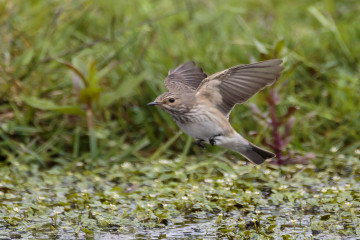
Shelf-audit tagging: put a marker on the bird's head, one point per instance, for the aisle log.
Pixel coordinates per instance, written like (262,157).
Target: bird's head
(174,103)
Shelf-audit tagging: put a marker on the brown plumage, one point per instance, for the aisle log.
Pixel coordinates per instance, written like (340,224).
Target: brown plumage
(201,105)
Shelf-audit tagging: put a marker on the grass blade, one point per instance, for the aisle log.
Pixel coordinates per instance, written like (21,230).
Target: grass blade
(162,148)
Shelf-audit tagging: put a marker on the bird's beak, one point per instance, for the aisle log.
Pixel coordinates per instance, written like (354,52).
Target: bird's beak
(153,103)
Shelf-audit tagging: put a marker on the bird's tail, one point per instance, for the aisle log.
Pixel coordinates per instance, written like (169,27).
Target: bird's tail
(255,154)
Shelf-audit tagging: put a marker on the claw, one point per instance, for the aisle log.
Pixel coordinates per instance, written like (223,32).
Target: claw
(199,143)
(212,139)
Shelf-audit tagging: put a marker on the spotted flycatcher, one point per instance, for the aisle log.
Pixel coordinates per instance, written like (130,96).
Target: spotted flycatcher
(201,105)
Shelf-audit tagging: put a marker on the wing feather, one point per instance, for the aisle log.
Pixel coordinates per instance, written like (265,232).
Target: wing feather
(238,84)
(187,77)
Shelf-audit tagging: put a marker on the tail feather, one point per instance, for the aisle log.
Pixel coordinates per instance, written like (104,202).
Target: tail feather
(256,154)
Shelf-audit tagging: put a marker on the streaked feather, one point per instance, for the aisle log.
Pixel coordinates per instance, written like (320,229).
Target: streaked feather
(185,78)
(238,84)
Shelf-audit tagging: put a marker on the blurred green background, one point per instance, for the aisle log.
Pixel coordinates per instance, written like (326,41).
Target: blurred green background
(69,65)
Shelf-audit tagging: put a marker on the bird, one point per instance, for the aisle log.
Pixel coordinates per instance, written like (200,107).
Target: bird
(200,104)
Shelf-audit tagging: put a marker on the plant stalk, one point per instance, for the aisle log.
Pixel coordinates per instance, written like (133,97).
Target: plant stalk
(275,128)
(90,125)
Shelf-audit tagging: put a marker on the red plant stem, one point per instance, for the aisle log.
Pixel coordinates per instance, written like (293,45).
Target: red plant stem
(275,128)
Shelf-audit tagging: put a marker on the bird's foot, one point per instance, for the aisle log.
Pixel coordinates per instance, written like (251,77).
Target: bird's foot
(199,143)
(212,139)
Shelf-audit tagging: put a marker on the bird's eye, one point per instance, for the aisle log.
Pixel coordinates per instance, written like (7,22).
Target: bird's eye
(171,100)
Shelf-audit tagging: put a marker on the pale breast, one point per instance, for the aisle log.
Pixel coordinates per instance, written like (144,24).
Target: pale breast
(201,130)
(203,124)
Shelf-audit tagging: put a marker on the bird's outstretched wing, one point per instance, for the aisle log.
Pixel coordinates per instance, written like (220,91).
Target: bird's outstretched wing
(186,77)
(238,84)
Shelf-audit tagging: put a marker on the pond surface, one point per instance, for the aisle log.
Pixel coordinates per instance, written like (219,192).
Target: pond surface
(181,200)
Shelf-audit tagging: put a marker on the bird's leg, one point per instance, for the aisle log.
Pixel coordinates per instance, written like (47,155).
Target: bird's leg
(212,139)
(199,143)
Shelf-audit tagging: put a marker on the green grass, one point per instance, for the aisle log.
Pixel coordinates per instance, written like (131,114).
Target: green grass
(64,60)
(134,45)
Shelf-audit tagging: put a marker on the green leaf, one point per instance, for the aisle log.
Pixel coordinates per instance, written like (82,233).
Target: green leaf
(357,230)
(45,104)
(330,24)
(186,148)
(219,218)
(320,17)
(125,89)
(286,237)
(89,94)
(227,168)
(87,231)
(279,47)
(260,47)
(325,217)
(11,220)
(271,228)
(340,199)
(92,78)
(131,150)
(163,147)
(105,70)
(77,229)
(164,177)
(73,68)
(313,202)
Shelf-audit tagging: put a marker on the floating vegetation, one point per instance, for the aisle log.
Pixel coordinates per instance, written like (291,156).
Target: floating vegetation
(181,199)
